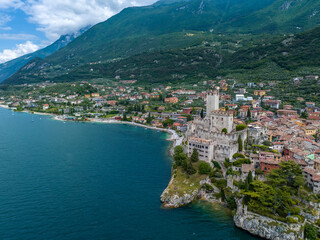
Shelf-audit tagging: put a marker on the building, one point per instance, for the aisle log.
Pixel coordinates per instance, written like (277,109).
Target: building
(273,103)
(284,112)
(312,177)
(309,130)
(203,146)
(259,92)
(213,101)
(240,97)
(269,161)
(45,106)
(172,100)
(211,126)
(94,95)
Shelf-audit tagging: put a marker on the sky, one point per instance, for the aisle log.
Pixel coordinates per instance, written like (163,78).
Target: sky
(29,25)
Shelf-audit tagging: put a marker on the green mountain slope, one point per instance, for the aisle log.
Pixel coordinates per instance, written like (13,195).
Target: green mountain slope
(167,25)
(259,58)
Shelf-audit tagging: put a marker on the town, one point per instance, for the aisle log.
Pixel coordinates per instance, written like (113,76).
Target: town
(233,133)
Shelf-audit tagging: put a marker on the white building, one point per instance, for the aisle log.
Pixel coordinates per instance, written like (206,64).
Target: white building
(203,146)
(239,97)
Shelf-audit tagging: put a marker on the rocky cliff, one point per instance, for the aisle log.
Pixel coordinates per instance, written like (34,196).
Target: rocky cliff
(267,228)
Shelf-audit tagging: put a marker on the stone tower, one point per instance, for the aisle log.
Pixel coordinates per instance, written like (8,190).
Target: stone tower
(212,101)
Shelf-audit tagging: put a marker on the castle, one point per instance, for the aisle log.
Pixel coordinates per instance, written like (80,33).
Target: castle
(206,135)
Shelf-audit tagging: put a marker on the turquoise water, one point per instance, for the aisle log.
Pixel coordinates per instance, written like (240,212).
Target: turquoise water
(63,181)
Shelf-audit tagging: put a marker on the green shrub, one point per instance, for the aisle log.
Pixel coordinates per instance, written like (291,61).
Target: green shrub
(241,161)
(231,202)
(238,155)
(292,220)
(310,232)
(241,127)
(204,167)
(227,162)
(216,165)
(225,131)
(218,174)
(208,187)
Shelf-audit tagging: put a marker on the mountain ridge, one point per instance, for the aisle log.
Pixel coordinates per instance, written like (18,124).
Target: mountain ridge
(8,68)
(147,29)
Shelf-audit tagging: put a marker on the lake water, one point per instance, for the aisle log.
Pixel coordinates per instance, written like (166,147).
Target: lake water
(63,181)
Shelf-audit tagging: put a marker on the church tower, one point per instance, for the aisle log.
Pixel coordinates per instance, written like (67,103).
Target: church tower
(212,101)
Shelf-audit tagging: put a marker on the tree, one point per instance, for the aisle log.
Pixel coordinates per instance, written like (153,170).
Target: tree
(310,232)
(190,169)
(241,127)
(249,114)
(194,156)
(204,167)
(167,122)
(240,144)
(225,131)
(179,156)
(248,181)
(124,118)
(304,115)
(201,113)
(149,118)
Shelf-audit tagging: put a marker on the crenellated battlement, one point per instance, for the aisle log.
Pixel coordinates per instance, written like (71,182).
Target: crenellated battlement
(222,113)
(213,92)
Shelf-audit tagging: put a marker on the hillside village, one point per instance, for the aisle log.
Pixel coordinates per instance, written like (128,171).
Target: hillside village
(292,132)
(234,131)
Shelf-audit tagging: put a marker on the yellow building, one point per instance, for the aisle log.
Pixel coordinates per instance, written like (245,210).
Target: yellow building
(309,130)
(259,92)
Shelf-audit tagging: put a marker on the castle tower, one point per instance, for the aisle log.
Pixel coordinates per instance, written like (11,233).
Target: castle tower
(212,101)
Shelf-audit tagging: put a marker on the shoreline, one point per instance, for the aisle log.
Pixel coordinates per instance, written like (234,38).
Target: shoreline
(174,137)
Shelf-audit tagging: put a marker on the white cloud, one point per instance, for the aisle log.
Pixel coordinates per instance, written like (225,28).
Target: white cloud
(4,19)
(17,36)
(58,17)
(10,4)
(19,50)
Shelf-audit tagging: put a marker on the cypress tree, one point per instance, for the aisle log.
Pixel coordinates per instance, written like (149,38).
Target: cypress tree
(240,144)
(124,117)
(194,156)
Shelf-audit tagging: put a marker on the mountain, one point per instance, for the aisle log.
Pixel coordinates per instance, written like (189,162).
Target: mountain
(168,25)
(256,58)
(7,69)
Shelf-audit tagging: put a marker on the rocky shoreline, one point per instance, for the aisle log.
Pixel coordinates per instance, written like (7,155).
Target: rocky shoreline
(265,227)
(253,223)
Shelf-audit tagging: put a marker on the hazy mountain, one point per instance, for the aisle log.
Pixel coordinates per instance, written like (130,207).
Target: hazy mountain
(7,69)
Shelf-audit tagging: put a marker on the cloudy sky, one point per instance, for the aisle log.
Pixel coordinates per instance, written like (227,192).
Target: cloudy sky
(27,25)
